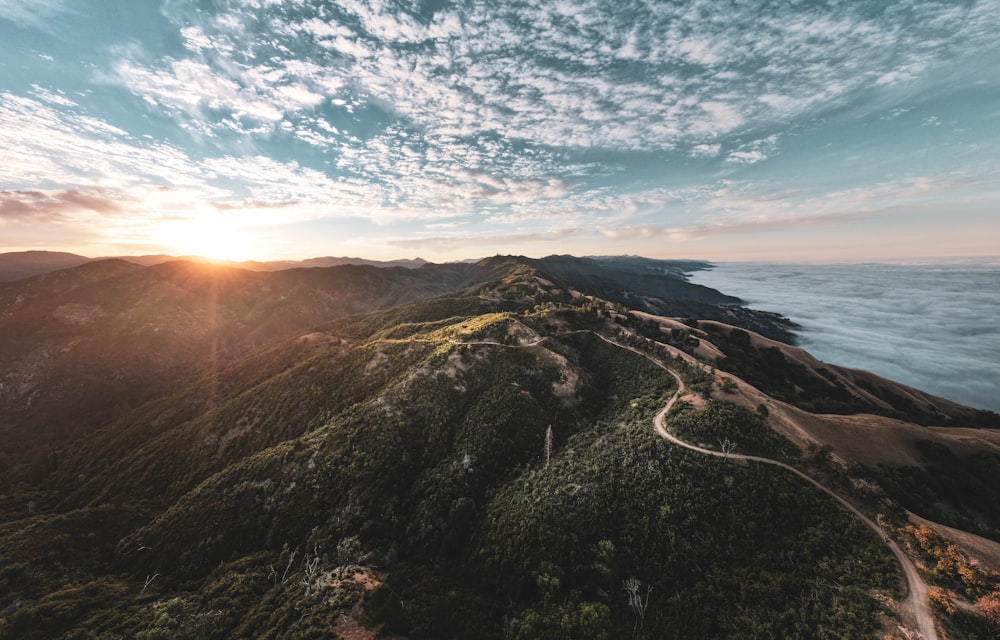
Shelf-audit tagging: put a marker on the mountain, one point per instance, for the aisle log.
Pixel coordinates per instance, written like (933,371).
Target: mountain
(24,264)
(84,343)
(462,450)
(328,261)
(660,287)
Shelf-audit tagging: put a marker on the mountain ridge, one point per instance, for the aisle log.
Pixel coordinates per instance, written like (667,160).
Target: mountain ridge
(18,265)
(476,462)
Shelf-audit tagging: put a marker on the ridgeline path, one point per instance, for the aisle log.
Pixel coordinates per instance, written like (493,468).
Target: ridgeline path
(916,587)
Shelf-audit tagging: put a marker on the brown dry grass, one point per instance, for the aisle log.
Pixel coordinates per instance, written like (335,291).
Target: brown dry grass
(351,626)
(862,438)
(858,438)
(363,578)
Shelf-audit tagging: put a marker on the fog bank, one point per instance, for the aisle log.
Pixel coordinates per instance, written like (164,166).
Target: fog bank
(934,327)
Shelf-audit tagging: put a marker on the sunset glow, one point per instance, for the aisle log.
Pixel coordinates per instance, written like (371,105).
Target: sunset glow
(840,130)
(209,236)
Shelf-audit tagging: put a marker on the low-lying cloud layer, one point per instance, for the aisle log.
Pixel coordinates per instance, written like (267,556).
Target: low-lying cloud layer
(931,327)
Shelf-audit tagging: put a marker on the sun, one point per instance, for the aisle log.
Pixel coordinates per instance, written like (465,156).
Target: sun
(209,236)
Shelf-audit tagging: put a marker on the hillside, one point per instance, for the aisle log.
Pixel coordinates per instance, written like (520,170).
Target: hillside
(446,451)
(18,265)
(86,344)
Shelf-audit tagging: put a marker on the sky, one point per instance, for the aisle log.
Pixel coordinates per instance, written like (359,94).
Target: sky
(280,129)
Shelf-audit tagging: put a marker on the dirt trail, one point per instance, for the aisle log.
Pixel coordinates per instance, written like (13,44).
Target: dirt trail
(916,587)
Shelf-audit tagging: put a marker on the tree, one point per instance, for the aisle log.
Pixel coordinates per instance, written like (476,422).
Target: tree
(990,606)
(548,445)
(637,601)
(727,446)
(349,551)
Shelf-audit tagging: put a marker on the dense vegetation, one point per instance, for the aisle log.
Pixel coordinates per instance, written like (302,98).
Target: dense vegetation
(768,369)
(480,464)
(731,428)
(447,492)
(953,490)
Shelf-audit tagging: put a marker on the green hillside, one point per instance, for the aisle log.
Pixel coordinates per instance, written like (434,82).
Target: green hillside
(475,465)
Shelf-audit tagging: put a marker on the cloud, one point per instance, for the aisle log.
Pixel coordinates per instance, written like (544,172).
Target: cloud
(630,233)
(497,190)
(948,347)
(269,181)
(35,14)
(195,88)
(746,157)
(61,218)
(745,207)
(720,227)
(558,113)
(705,150)
(902,74)
(45,145)
(755,151)
(56,98)
(449,243)
(413,104)
(41,145)
(54,205)
(545,75)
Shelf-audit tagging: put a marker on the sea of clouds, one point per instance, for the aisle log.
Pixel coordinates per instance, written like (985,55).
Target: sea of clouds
(935,327)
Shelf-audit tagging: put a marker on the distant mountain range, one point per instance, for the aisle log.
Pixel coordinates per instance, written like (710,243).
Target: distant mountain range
(467,450)
(24,264)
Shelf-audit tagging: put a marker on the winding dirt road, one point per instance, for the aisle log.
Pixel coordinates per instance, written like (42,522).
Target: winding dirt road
(916,587)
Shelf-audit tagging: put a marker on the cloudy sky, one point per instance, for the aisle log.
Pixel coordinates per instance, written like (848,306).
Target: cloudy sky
(742,129)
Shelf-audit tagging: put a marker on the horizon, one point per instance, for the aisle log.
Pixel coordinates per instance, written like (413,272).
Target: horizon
(916,261)
(838,134)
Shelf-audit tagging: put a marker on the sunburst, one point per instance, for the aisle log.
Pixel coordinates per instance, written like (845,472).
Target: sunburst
(213,236)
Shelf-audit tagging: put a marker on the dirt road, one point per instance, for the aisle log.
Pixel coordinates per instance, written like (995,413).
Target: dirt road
(916,587)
